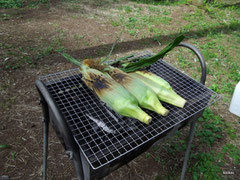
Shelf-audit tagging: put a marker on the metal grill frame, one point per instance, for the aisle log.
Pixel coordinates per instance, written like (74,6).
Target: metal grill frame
(79,104)
(54,79)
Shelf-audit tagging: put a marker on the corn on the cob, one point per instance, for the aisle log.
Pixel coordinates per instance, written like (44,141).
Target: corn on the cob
(145,95)
(162,88)
(113,94)
(155,78)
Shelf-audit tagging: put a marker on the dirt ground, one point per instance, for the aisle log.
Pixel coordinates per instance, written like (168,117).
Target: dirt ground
(32,37)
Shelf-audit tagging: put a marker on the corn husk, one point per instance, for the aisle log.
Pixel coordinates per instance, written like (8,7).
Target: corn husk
(161,87)
(153,77)
(145,95)
(113,94)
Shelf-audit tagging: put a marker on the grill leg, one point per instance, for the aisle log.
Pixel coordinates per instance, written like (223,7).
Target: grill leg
(78,166)
(45,137)
(191,134)
(45,148)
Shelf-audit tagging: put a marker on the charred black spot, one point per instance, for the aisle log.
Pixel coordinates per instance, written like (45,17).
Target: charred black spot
(119,77)
(100,83)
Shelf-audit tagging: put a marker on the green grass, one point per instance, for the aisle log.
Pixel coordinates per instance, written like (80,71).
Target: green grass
(212,128)
(209,165)
(21,3)
(11,3)
(206,167)
(25,55)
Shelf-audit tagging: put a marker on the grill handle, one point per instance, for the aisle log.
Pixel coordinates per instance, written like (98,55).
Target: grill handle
(200,58)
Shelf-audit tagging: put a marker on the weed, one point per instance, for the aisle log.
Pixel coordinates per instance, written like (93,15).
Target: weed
(4,146)
(211,127)
(148,155)
(206,167)
(6,103)
(128,9)
(183,61)
(13,155)
(157,177)
(115,23)
(5,16)
(43,53)
(21,3)
(11,3)
(232,151)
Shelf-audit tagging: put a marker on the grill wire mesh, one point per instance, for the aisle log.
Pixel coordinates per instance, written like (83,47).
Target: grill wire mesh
(104,136)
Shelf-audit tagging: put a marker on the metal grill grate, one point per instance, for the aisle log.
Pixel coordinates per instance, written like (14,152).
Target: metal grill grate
(102,135)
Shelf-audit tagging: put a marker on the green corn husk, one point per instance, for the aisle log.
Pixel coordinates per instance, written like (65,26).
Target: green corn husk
(154,78)
(162,88)
(113,94)
(109,91)
(145,95)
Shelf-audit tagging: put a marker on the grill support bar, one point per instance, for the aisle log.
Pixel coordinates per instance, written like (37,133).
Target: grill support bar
(187,153)
(193,123)
(45,138)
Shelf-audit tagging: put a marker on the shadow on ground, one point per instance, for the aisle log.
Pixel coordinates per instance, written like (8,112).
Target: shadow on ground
(93,52)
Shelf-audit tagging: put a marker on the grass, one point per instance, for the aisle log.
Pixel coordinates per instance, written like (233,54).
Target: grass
(21,3)
(212,128)
(11,3)
(133,18)
(25,55)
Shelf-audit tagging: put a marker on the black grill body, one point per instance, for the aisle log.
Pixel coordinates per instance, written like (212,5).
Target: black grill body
(97,139)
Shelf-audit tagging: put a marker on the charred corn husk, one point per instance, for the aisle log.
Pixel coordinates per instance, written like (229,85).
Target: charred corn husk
(95,64)
(145,95)
(163,90)
(113,94)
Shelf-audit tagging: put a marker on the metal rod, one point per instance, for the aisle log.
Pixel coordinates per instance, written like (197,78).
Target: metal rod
(191,135)
(45,147)
(45,136)
(78,166)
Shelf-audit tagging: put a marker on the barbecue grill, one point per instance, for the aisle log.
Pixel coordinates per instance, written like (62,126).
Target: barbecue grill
(97,139)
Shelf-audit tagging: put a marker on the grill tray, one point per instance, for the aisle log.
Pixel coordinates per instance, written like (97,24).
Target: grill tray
(102,135)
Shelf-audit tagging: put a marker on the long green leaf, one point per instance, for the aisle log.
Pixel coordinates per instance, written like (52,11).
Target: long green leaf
(121,59)
(144,62)
(71,59)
